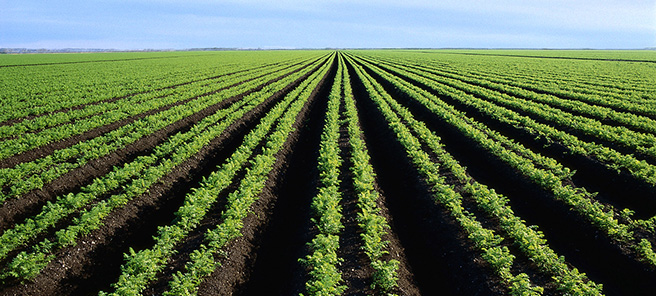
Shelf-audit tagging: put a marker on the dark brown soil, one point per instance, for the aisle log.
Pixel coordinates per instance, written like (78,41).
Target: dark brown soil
(213,218)
(50,148)
(602,119)
(239,267)
(442,264)
(551,93)
(114,99)
(14,210)
(94,263)
(569,235)
(277,270)
(618,189)
(356,269)
(435,254)
(406,281)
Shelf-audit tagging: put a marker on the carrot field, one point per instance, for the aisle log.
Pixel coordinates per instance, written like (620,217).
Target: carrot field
(319,172)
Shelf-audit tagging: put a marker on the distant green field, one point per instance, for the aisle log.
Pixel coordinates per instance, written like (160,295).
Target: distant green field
(636,55)
(358,172)
(55,58)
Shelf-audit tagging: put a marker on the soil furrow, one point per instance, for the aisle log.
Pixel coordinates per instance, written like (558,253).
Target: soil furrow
(239,267)
(441,262)
(618,189)
(39,152)
(356,269)
(406,281)
(16,209)
(114,99)
(569,235)
(213,218)
(95,262)
(573,111)
(577,132)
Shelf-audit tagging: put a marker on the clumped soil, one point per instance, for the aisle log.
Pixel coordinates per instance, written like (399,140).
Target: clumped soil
(95,261)
(570,235)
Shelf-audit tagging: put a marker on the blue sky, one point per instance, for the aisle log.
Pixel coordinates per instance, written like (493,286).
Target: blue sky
(172,24)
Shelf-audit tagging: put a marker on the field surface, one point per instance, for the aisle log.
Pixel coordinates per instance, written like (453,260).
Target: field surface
(381,172)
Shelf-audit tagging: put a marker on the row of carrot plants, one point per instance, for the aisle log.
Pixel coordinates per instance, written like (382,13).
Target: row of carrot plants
(625,118)
(539,77)
(135,105)
(202,261)
(374,225)
(500,142)
(32,175)
(609,99)
(606,76)
(643,143)
(616,83)
(529,240)
(135,178)
(104,112)
(78,85)
(612,158)
(485,240)
(32,89)
(52,212)
(142,267)
(640,169)
(605,217)
(323,262)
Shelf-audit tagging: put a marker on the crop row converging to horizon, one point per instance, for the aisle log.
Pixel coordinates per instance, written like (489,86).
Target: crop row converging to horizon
(381,172)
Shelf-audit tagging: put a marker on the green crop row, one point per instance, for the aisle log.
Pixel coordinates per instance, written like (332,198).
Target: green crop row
(370,219)
(239,202)
(139,104)
(166,152)
(485,240)
(36,90)
(621,102)
(35,174)
(643,143)
(528,240)
(28,264)
(141,267)
(325,277)
(604,80)
(577,198)
(596,109)
(59,125)
(640,169)
(323,262)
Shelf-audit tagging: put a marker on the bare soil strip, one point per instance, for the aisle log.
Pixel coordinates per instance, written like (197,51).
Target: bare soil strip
(114,99)
(438,258)
(569,234)
(360,264)
(240,264)
(64,143)
(16,209)
(356,268)
(95,262)
(618,189)
(276,270)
